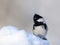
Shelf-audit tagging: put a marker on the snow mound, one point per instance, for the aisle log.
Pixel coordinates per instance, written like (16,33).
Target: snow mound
(10,35)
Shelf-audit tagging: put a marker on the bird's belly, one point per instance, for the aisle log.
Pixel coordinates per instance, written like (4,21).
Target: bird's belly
(39,31)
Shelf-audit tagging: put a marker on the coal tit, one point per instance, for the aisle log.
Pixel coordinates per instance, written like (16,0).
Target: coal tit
(40,27)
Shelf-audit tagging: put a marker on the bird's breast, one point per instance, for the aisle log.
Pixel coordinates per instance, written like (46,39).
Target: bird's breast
(39,30)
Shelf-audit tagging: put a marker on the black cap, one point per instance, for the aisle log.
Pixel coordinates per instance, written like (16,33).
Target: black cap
(36,17)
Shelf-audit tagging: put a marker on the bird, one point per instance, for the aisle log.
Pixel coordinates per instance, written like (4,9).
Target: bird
(39,27)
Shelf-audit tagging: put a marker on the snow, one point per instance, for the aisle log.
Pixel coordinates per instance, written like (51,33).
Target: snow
(10,35)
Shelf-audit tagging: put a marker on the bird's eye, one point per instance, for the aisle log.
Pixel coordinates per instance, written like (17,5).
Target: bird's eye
(35,18)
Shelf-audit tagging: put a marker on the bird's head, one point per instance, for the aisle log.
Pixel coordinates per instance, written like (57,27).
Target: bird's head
(37,18)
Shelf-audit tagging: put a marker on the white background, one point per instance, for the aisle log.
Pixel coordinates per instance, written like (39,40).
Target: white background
(20,13)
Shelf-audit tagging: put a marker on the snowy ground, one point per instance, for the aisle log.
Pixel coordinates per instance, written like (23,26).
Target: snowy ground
(10,35)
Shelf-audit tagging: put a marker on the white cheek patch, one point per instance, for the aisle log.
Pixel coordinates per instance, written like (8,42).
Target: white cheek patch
(41,20)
